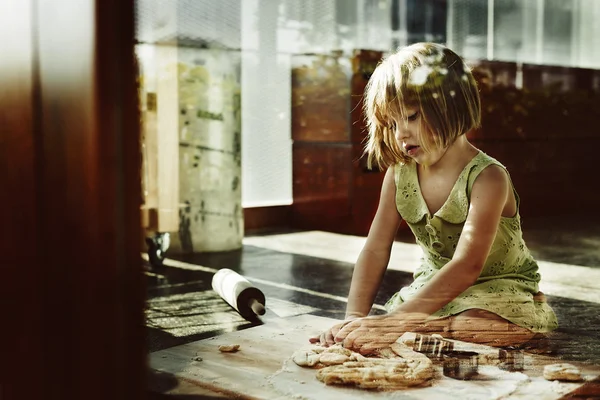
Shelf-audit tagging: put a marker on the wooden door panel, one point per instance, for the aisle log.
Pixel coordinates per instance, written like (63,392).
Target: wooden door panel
(69,167)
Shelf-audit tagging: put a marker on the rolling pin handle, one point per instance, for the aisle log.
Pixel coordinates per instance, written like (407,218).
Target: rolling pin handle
(257,307)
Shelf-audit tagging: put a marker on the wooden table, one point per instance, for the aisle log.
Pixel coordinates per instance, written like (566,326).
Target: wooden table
(263,369)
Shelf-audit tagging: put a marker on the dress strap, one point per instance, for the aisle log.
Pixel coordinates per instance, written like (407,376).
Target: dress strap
(408,198)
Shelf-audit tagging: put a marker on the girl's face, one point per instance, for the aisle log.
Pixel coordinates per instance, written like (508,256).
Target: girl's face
(409,134)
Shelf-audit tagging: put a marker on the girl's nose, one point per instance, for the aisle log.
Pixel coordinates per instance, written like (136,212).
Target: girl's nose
(401,133)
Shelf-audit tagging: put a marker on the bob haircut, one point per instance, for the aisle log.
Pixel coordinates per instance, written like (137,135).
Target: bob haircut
(426,76)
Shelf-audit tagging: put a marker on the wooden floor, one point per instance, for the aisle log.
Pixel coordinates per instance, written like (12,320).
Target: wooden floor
(309,273)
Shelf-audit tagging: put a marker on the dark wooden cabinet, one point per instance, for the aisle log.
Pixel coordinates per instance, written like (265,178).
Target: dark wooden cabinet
(332,188)
(537,120)
(542,127)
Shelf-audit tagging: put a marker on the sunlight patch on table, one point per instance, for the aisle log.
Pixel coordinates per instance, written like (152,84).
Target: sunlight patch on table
(284,309)
(192,313)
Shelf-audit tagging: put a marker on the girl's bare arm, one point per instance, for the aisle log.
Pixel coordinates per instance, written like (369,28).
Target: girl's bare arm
(375,255)
(487,202)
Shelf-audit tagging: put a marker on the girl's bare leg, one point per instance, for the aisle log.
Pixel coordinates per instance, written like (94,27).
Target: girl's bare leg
(478,326)
(484,327)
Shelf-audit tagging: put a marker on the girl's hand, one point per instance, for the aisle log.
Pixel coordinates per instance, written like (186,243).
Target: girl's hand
(365,335)
(327,338)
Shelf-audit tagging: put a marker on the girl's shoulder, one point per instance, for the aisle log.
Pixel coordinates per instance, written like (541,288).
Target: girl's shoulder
(483,160)
(480,163)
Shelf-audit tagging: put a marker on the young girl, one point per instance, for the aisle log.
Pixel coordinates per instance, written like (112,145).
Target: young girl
(477,280)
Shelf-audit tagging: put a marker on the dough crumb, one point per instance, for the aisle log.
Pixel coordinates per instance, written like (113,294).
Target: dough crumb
(229,348)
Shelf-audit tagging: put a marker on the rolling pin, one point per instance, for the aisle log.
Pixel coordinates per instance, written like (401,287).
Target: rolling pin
(239,293)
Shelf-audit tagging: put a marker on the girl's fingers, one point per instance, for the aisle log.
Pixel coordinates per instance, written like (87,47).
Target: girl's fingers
(355,339)
(329,338)
(372,347)
(314,339)
(346,329)
(362,336)
(335,330)
(369,336)
(372,343)
(364,324)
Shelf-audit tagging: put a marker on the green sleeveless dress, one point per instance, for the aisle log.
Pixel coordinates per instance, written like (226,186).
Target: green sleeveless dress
(510,276)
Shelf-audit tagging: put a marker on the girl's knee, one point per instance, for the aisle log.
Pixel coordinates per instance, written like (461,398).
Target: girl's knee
(441,326)
(484,327)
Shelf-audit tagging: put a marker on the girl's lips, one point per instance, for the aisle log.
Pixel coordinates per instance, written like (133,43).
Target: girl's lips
(412,150)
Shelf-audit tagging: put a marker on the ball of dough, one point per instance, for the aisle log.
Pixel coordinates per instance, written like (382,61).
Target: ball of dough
(562,372)
(229,348)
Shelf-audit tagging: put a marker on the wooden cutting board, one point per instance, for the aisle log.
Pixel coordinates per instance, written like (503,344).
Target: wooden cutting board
(262,369)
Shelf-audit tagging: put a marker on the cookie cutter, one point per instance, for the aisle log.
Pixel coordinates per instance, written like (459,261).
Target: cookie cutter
(432,346)
(461,364)
(511,359)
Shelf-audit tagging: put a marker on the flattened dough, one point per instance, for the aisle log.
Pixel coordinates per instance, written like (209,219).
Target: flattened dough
(382,374)
(395,367)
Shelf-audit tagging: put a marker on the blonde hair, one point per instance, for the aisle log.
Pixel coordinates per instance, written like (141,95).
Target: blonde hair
(426,76)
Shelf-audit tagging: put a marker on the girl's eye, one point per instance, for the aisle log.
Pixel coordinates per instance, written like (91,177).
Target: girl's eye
(414,116)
